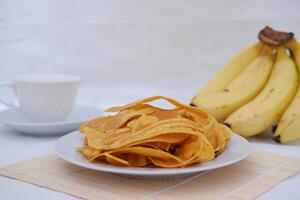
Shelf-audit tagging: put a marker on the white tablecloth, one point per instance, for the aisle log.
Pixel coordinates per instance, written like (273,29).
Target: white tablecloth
(16,146)
(129,49)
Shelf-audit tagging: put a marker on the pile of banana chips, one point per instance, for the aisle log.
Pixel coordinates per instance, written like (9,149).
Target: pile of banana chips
(142,135)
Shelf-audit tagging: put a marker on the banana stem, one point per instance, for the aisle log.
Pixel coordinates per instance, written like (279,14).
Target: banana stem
(274,38)
(266,50)
(281,52)
(292,44)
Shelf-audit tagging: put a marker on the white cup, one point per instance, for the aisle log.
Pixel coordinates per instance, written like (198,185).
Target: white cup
(44,98)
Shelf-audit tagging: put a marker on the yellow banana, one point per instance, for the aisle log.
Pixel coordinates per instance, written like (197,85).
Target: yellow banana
(289,125)
(230,71)
(265,109)
(245,87)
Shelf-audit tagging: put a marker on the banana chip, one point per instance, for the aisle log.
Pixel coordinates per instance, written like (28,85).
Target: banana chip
(141,135)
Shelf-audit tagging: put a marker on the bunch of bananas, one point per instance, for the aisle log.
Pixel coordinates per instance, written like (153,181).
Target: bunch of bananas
(259,88)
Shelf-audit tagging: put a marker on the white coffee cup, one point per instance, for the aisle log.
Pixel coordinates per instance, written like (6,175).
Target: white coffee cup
(44,98)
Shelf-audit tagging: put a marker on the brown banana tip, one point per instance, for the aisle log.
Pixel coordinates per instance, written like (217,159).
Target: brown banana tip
(192,104)
(277,139)
(227,124)
(272,37)
(274,128)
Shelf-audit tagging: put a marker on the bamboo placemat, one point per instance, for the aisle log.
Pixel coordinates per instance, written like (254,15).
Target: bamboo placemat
(247,179)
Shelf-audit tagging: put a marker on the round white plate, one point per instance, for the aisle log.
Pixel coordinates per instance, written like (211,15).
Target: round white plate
(236,150)
(15,120)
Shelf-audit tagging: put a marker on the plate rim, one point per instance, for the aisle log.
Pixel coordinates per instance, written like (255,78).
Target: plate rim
(155,171)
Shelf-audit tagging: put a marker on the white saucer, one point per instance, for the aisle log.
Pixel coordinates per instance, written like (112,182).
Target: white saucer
(237,149)
(14,119)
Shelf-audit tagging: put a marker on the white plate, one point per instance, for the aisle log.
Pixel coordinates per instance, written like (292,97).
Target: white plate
(236,150)
(15,120)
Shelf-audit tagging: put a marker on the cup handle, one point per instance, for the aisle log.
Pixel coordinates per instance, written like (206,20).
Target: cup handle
(7,103)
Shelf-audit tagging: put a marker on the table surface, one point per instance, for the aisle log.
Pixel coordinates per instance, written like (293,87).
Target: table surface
(17,146)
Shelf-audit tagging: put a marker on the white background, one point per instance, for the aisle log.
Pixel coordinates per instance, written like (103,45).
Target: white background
(128,49)
(170,47)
